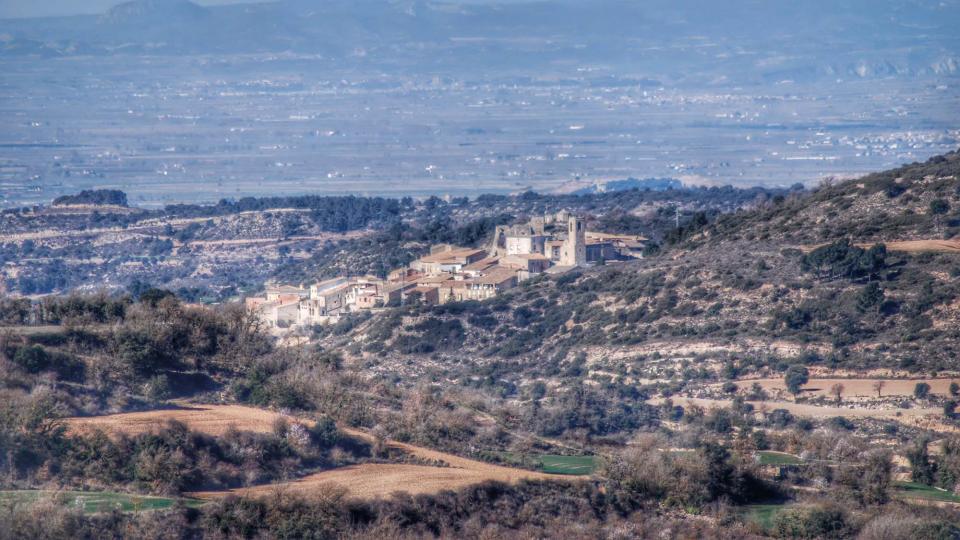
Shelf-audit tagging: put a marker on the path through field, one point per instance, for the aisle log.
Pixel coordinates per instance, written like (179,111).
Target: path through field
(908,246)
(369,480)
(940,246)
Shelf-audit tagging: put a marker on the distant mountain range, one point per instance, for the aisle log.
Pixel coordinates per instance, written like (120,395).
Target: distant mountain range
(717,41)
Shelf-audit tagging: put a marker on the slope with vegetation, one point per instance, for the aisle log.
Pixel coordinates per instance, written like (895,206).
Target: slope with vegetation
(648,371)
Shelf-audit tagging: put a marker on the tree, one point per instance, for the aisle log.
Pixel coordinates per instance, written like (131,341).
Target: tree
(954,389)
(950,409)
(841,259)
(870,297)
(33,358)
(922,470)
(921,390)
(795,377)
(878,386)
(153,296)
(939,207)
(140,353)
(875,476)
(837,391)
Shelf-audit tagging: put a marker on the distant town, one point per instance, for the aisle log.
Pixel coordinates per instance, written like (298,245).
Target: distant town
(549,244)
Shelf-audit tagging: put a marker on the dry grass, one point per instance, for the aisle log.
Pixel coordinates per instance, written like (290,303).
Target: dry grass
(816,411)
(854,387)
(370,480)
(907,246)
(379,480)
(210,419)
(913,246)
(930,418)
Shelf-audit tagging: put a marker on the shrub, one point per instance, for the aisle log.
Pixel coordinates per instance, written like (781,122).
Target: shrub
(813,522)
(795,377)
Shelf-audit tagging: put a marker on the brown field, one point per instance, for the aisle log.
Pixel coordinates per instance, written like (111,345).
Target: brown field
(378,480)
(209,419)
(369,480)
(854,387)
(941,246)
(908,246)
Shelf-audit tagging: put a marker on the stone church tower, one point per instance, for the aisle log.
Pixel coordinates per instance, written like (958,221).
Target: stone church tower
(574,251)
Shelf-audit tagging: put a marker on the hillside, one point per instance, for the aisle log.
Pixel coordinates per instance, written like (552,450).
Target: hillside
(727,385)
(748,293)
(913,202)
(92,241)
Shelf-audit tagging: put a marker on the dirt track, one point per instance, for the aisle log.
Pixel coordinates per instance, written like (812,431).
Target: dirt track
(927,417)
(816,411)
(941,246)
(369,480)
(855,387)
(908,246)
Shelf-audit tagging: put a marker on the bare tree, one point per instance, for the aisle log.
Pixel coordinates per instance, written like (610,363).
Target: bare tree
(837,391)
(878,386)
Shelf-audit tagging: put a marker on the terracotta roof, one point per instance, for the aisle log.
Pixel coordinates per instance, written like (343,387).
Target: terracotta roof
(398,286)
(615,237)
(498,275)
(482,264)
(530,256)
(452,256)
(434,279)
(334,290)
(423,290)
(407,278)
(285,289)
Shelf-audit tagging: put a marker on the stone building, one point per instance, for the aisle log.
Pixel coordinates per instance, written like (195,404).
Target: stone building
(574,249)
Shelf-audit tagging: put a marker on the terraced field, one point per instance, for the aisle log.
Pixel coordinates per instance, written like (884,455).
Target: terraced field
(368,480)
(574,465)
(816,411)
(210,419)
(769,457)
(855,387)
(913,490)
(92,502)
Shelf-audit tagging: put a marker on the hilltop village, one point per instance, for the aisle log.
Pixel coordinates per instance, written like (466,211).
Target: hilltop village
(549,244)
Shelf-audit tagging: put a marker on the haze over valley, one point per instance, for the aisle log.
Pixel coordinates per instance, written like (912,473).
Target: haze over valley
(173,102)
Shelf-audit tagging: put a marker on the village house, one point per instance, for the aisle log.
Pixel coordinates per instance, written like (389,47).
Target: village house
(285,291)
(553,243)
(447,259)
(281,312)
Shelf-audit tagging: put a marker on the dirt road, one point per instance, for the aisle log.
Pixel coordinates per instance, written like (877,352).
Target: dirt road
(923,417)
(854,387)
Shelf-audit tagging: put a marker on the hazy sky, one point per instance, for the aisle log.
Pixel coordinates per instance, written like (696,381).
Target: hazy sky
(43,8)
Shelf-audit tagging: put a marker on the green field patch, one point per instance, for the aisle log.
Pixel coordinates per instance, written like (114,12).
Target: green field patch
(766,457)
(577,465)
(914,490)
(92,502)
(552,464)
(763,514)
